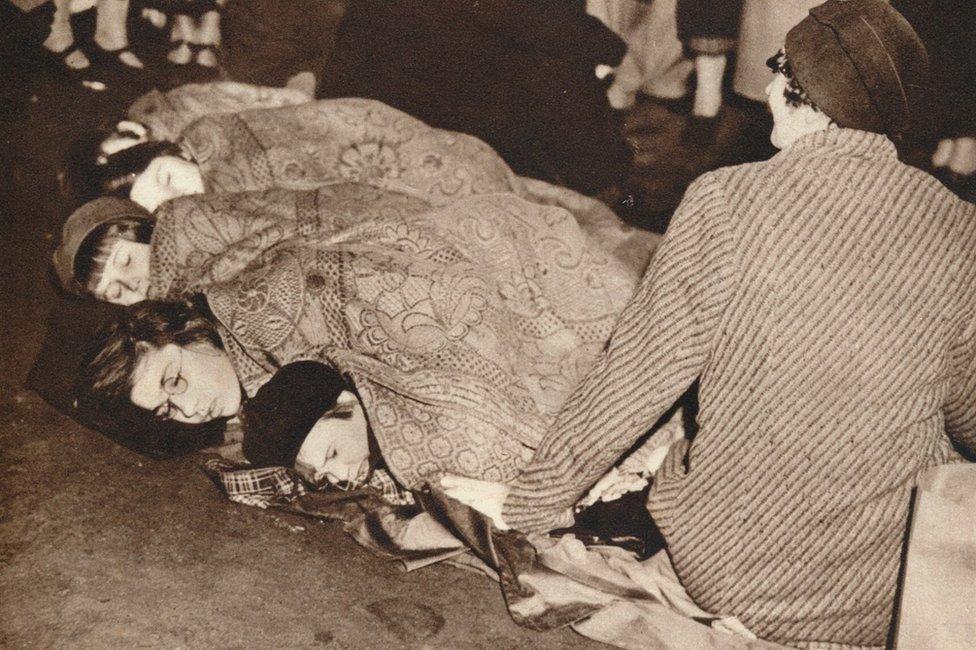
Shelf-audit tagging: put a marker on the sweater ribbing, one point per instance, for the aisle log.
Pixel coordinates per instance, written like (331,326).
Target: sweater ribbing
(825,298)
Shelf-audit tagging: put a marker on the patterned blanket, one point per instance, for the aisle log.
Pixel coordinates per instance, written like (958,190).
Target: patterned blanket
(254,138)
(463,327)
(464,301)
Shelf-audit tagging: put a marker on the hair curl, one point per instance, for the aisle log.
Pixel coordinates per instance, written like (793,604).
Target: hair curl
(794,93)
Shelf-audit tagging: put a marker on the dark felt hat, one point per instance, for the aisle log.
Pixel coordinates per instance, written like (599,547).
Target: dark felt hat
(861,63)
(278,418)
(80,224)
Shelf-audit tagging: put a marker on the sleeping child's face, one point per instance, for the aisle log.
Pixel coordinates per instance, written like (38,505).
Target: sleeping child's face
(336,450)
(165,178)
(125,277)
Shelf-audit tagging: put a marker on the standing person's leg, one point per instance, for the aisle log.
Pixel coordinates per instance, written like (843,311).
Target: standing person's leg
(207,36)
(709,71)
(62,38)
(111,34)
(181,33)
(708,30)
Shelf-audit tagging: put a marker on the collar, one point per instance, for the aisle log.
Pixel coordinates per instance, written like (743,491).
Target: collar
(844,142)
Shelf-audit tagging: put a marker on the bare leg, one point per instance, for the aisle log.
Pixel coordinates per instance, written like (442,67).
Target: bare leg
(709,71)
(182,32)
(61,37)
(110,30)
(208,35)
(208,32)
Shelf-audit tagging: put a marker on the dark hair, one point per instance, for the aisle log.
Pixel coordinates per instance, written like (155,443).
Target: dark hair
(794,92)
(89,173)
(97,246)
(107,373)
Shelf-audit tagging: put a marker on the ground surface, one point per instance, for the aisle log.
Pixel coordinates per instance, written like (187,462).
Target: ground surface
(100,547)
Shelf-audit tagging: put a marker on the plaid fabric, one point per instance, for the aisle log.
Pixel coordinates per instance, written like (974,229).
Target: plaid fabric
(271,486)
(255,487)
(392,492)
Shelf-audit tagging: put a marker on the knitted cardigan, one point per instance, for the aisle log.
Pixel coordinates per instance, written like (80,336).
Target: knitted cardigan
(825,298)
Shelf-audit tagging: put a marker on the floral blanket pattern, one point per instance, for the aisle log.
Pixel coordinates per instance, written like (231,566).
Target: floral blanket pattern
(463,327)
(255,138)
(309,145)
(463,301)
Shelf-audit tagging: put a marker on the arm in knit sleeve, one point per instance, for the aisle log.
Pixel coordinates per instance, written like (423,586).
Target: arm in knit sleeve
(960,410)
(659,346)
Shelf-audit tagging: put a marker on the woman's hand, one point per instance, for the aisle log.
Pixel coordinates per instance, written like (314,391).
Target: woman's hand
(486,497)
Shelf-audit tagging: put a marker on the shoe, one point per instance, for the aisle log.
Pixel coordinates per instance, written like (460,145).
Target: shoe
(71,60)
(180,55)
(122,59)
(206,58)
(128,58)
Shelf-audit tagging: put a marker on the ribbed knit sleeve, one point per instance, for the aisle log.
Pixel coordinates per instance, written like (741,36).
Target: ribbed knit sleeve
(659,346)
(960,411)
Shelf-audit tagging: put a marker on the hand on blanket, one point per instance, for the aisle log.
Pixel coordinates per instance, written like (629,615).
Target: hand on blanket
(486,497)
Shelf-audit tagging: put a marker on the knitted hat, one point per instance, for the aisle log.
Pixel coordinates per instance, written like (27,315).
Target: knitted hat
(80,224)
(861,63)
(278,418)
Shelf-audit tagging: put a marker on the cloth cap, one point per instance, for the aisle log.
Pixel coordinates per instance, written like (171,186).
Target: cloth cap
(279,417)
(80,224)
(861,63)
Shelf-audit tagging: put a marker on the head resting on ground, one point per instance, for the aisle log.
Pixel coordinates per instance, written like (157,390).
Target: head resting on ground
(858,62)
(305,416)
(149,173)
(104,251)
(166,358)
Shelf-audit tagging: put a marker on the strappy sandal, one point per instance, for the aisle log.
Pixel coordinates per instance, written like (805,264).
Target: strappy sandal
(123,58)
(181,54)
(206,57)
(61,61)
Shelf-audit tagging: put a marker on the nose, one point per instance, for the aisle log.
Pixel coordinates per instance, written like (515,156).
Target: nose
(188,413)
